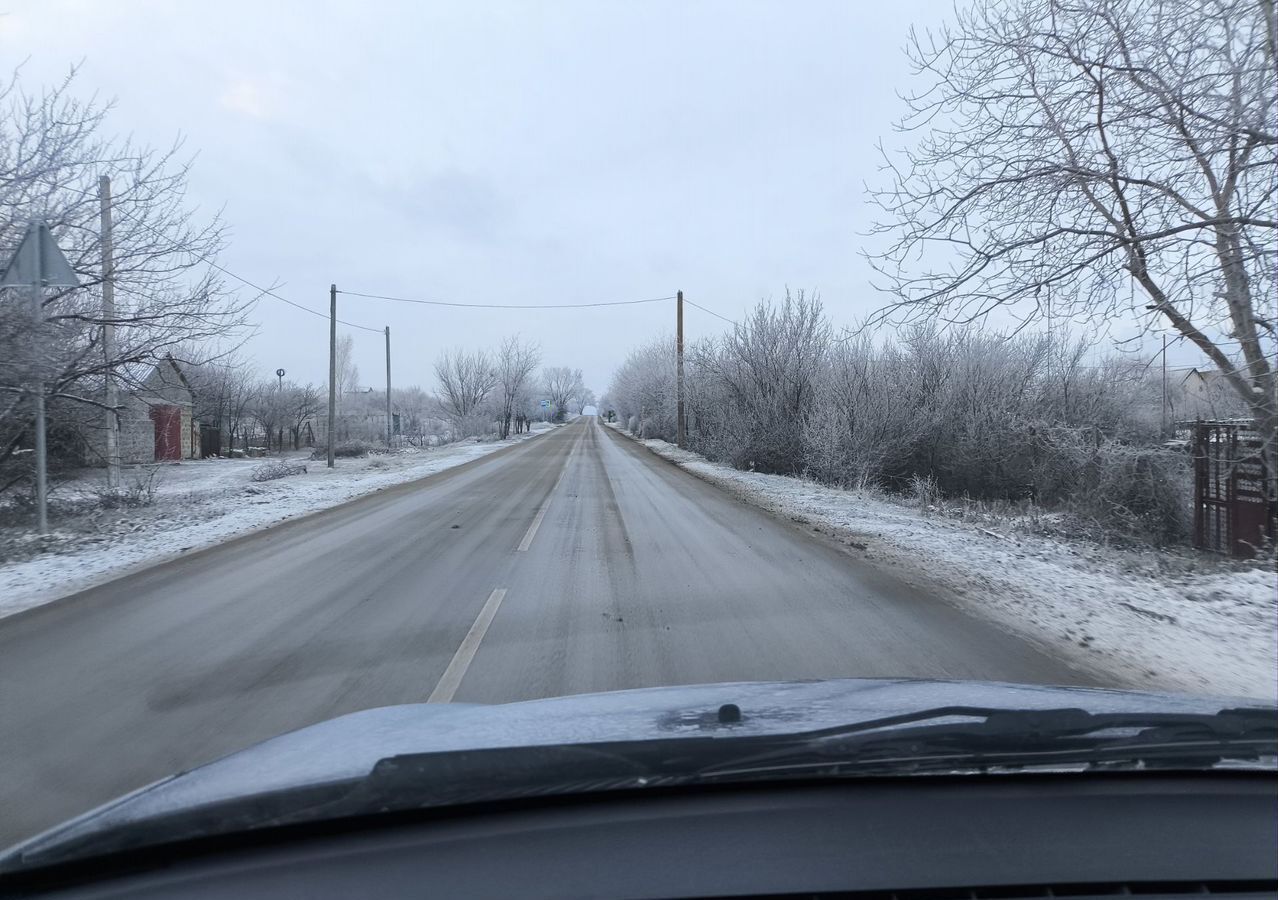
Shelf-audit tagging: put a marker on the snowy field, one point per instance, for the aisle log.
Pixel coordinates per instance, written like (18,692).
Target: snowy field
(1177,621)
(197,503)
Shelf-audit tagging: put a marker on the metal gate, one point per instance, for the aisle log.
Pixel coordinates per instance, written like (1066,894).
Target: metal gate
(210,441)
(168,432)
(1232,512)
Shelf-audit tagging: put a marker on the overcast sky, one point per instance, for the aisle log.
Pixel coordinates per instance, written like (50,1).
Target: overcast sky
(506,153)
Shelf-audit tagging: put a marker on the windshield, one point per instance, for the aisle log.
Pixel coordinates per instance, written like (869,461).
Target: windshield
(388,359)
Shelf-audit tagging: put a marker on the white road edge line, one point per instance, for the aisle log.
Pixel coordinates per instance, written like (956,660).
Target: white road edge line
(541,513)
(451,679)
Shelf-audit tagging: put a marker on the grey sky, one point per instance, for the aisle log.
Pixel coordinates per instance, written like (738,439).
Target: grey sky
(507,152)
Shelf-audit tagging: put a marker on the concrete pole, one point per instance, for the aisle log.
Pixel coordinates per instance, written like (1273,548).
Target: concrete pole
(332,370)
(108,336)
(390,430)
(680,428)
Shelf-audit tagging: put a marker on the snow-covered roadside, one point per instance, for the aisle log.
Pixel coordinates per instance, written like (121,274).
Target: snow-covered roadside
(1143,618)
(201,503)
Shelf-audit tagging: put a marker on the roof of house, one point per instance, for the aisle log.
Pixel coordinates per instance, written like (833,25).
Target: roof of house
(138,377)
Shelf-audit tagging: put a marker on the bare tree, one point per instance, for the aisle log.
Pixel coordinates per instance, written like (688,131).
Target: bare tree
(347,383)
(242,395)
(516,362)
(168,294)
(302,404)
(562,385)
(271,410)
(465,381)
(1089,160)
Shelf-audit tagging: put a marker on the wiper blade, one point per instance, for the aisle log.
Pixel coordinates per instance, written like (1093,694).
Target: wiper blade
(1001,736)
(924,742)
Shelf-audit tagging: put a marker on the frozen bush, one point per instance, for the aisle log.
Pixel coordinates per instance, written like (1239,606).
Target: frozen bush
(344,450)
(277,469)
(967,413)
(760,384)
(924,490)
(137,490)
(1137,492)
(643,390)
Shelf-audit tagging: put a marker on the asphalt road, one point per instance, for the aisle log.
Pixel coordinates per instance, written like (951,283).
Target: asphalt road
(574,562)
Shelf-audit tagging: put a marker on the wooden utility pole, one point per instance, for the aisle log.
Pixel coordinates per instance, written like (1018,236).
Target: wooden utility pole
(680,431)
(108,336)
(389,421)
(332,370)
(1164,431)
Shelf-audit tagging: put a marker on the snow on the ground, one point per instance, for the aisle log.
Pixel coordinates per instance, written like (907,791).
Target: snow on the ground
(198,503)
(1184,621)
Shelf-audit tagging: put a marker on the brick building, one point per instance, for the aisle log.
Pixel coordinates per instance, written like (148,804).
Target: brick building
(156,422)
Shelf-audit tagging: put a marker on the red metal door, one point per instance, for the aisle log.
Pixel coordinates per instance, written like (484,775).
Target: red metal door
(168,431)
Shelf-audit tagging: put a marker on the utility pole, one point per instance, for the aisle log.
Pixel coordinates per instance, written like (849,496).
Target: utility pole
(1164,432)
(108,336)
(389,421)
(332,369)
(680,430)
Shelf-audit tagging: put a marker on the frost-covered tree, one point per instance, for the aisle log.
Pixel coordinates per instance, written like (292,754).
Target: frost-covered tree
(168,296)
(562,385)
(1087,160)
(466,379)
(517,360)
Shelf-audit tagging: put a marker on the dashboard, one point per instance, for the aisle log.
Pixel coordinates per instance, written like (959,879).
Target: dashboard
(929,837)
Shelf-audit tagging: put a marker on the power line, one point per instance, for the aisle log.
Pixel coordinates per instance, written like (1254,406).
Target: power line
(225,271)
(710,311)
(505,305)
(270,293)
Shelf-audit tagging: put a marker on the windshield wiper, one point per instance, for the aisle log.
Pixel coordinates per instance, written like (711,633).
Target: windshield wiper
(943,739)
(985,736)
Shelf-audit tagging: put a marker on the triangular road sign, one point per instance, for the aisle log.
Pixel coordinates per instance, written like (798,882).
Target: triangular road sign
(39,254)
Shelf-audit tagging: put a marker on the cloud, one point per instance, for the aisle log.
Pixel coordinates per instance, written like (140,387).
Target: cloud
(256,98)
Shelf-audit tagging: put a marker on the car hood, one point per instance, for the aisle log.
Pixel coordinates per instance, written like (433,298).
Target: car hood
(349,746)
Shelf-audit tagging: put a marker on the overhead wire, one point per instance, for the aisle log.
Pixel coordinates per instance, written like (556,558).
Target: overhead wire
(225,271)
(504,305)
(268,292)
(710,311)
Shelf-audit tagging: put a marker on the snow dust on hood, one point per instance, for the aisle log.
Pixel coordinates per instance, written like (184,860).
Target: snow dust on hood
(349,746)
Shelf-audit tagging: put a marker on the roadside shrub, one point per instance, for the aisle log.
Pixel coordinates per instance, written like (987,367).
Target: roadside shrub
(344,450)
(1137,492)
(277,469)
(925,491)
(760,381)
(137,490)
(1027,420)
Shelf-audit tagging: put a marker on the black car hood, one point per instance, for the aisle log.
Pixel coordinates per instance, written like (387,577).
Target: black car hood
(349,746)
